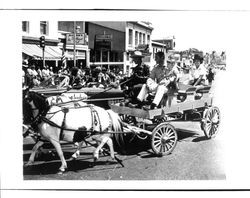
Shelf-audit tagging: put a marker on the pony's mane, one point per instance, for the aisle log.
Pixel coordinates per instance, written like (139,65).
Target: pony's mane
(40,102)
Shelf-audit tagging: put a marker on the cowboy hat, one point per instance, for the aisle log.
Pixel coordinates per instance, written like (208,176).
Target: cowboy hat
(171,59)
(25,63)
(137,54)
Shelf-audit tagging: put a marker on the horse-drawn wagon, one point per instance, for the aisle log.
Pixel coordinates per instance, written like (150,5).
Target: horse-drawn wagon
(73,122)
(187,104)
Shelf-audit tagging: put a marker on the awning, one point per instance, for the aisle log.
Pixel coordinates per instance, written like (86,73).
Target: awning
(50,53)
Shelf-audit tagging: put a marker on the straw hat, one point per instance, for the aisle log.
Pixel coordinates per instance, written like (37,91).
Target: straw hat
(137,54)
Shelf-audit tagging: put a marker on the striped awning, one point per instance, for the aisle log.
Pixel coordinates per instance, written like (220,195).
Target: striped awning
(50,53)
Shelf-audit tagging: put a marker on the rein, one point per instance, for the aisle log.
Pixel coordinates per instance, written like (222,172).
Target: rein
(79,130)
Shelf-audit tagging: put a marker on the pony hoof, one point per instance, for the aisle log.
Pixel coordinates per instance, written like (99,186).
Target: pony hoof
(28,164)
(72,158)
(95,159)
(61,171)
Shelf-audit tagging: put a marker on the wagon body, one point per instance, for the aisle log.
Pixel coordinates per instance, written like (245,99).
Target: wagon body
(176,105)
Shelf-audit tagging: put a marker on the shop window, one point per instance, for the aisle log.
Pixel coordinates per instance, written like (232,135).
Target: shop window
(25,26)
(104,56)
(44,27)
(140,38)
(136,38)
(120,57)
(148,38)
(143,39)
(97,56)
(130,37)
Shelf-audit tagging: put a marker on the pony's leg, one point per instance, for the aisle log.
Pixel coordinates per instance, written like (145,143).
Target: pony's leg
(104,140)
(111,147)
(33,154)
(98,148)
(58,148)
(77,153)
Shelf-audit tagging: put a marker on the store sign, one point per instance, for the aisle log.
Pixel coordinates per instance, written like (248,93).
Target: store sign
(144,49)
(169,45)
(103,41)
(81,39)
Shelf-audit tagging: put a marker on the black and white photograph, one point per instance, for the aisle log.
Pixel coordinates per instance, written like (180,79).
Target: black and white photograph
(147,99)
(114,101)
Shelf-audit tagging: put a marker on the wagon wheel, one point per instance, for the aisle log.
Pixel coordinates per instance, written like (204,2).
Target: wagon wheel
(164,139)
(211,121)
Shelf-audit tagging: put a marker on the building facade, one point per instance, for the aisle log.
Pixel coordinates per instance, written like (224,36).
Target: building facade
(111,43)
(106,44)
(31,49)
(67,29)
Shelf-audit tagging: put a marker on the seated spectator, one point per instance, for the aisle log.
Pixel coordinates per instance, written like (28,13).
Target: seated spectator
(75,80)
(45,72)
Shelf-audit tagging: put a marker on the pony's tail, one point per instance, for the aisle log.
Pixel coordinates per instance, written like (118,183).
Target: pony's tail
(117,127)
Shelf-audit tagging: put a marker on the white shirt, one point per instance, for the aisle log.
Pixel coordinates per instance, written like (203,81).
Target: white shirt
(200,71)
(32,72)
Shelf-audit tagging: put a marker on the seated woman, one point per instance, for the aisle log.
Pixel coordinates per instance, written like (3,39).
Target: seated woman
(198,71)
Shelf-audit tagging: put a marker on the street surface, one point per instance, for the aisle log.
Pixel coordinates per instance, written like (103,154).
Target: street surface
(194,158)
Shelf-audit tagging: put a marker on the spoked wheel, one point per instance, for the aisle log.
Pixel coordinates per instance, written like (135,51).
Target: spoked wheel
(211,121)
(164,139)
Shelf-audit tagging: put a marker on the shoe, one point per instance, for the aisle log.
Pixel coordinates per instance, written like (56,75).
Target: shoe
(153,106)
(131,105)
(122,104)
(150,107)
(146,107)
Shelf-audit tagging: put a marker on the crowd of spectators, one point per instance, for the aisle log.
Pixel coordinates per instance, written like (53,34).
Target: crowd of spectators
(33,76)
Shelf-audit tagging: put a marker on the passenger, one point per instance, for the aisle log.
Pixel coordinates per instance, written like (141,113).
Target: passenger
(162,78)
(185,78)
(140,74)
(198,71)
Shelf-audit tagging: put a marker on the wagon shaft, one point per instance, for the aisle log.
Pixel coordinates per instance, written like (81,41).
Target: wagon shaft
(135,129)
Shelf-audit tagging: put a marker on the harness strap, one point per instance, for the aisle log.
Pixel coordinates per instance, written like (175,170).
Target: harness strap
(94,113)
(65,111)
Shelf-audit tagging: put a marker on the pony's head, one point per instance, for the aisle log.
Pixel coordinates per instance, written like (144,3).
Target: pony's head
(27,109)
(38,100)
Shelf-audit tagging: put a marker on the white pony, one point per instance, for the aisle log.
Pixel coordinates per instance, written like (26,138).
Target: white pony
(72,123)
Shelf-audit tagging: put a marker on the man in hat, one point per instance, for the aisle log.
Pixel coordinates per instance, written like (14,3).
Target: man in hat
(25,77)
(140,74)
(140,71)
(161,79)
(198,71)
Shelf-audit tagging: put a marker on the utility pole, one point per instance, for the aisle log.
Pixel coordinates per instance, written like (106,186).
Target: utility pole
(42,45)
(74,43)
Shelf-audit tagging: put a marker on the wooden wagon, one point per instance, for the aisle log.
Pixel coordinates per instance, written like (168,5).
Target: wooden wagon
(188,103)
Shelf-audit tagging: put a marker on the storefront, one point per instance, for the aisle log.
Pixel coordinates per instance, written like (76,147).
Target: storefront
(81,50)
(32,51)
(107,47)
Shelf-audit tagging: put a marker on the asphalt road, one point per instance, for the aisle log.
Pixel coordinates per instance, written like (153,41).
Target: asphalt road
(194,158)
